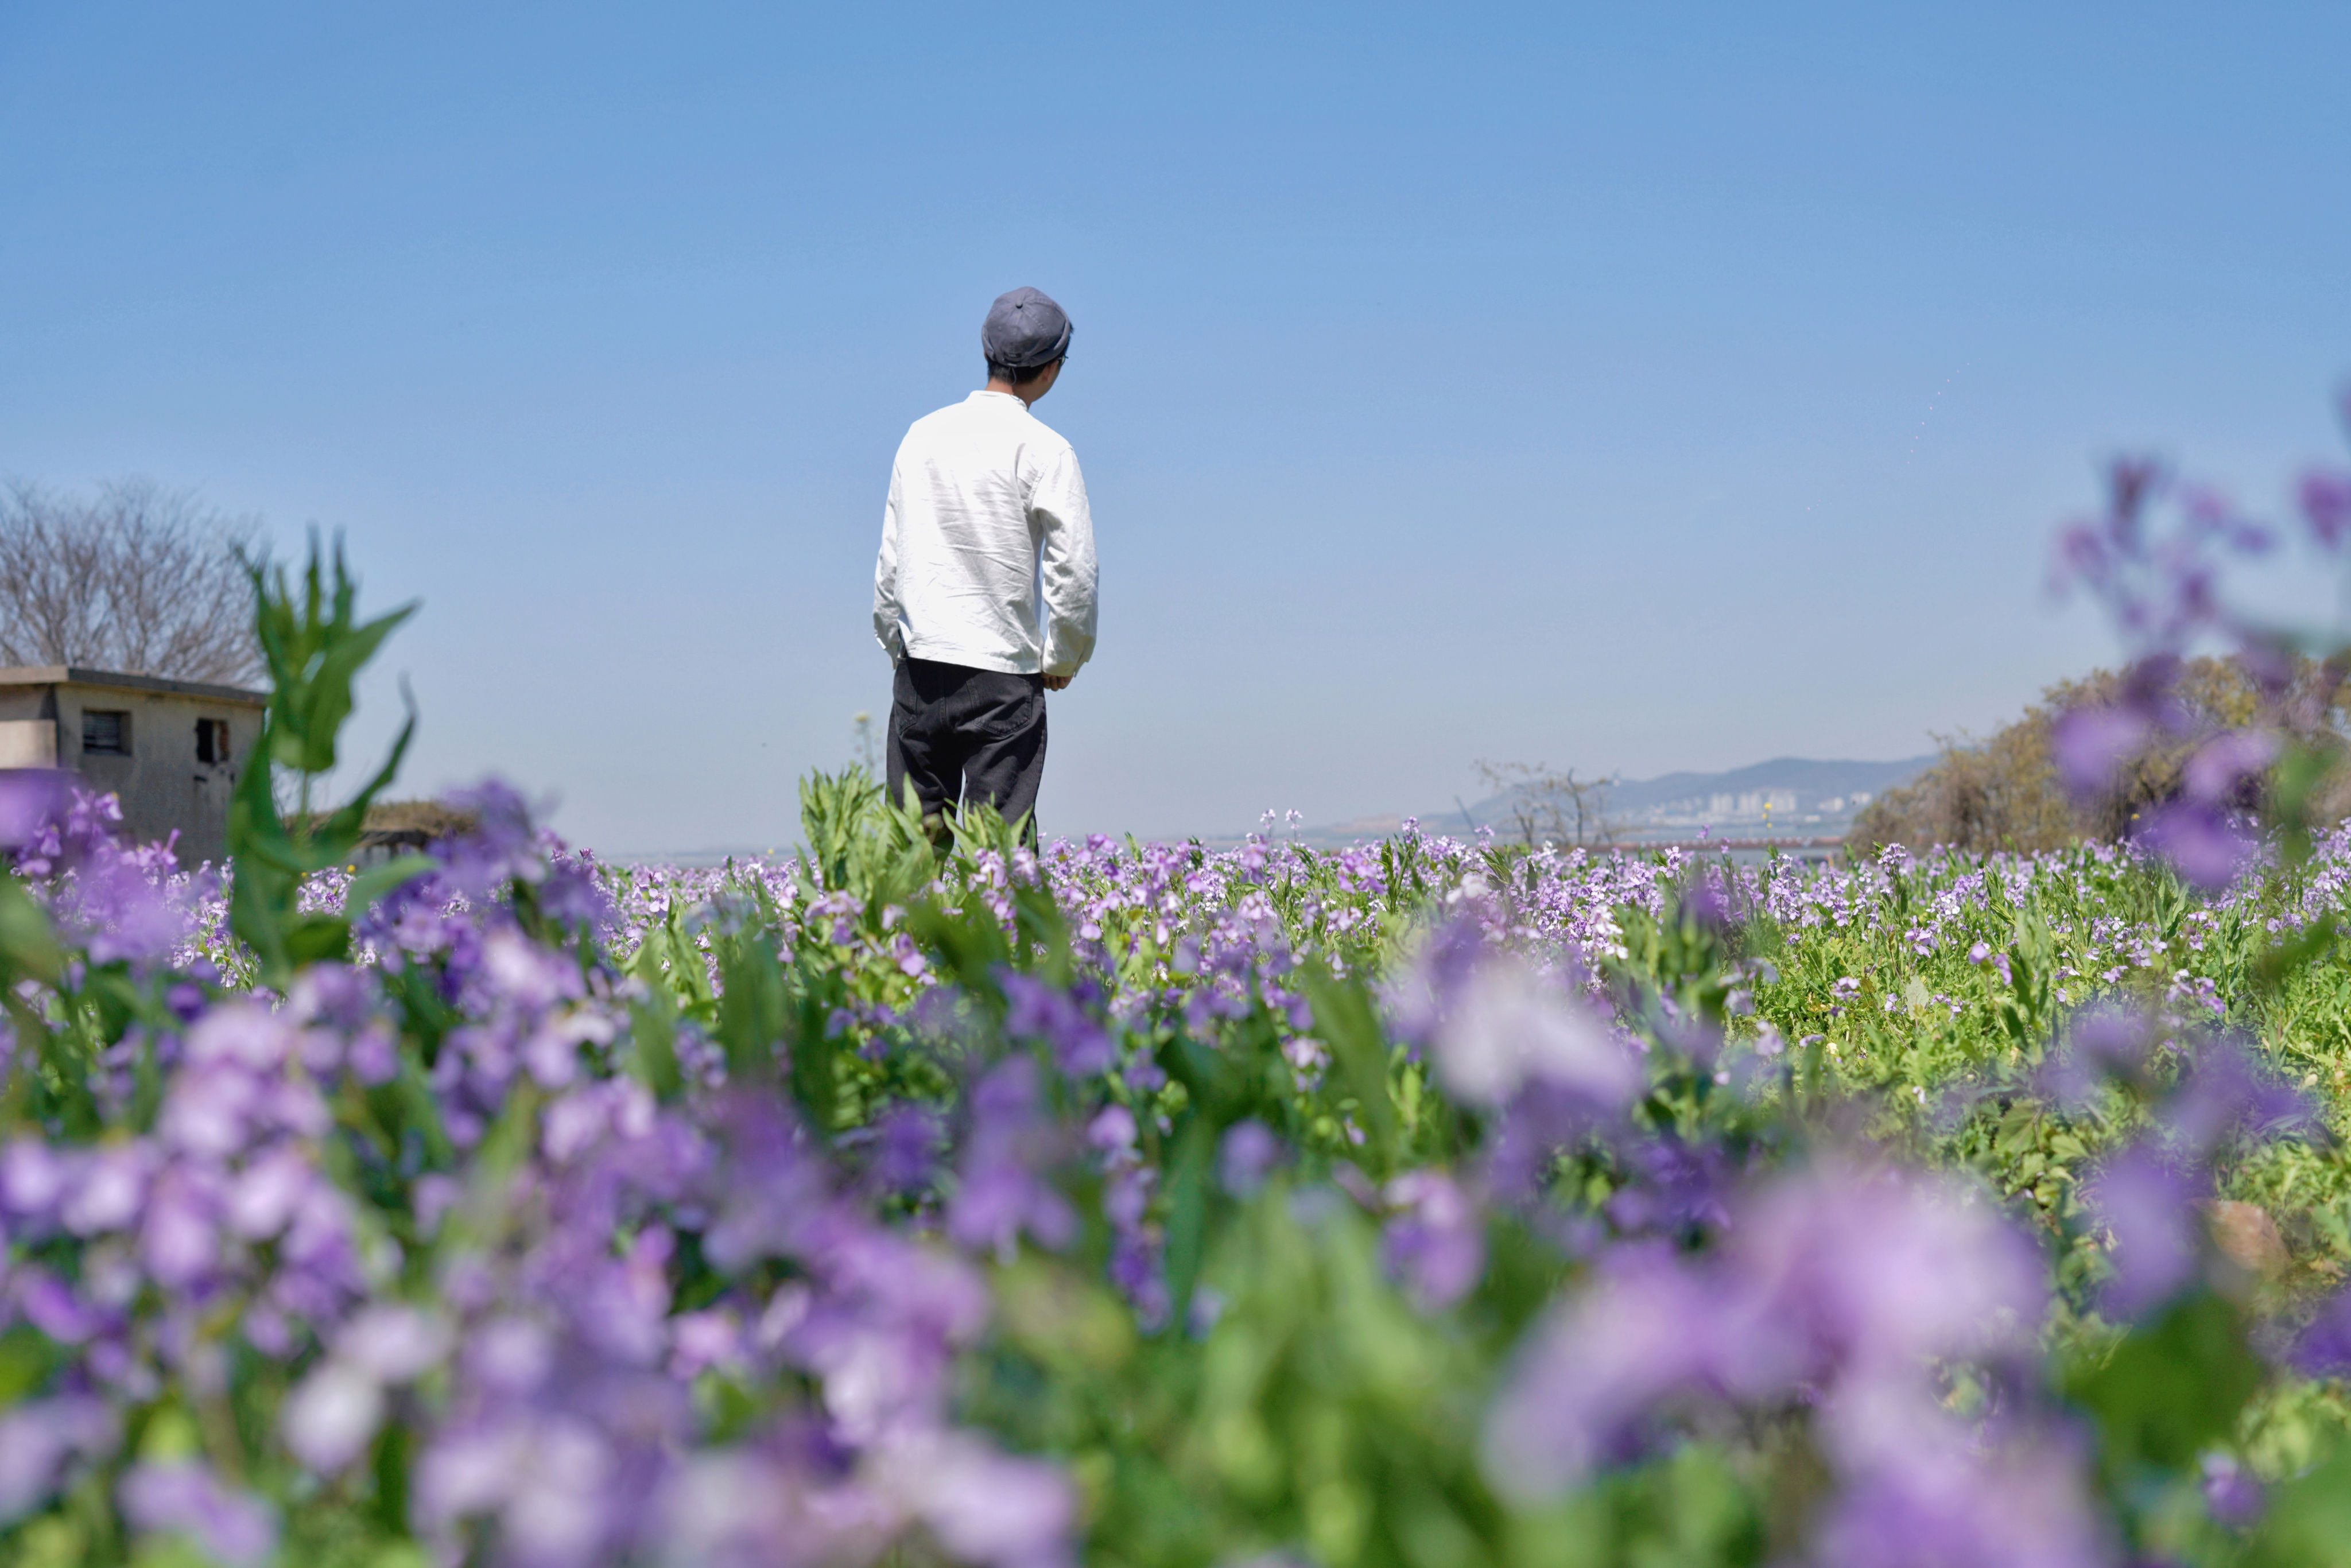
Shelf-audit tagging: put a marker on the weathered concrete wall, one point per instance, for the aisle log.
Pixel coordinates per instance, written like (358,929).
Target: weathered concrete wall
(164,781)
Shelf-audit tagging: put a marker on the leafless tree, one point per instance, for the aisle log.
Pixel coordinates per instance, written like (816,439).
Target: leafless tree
(141,580)
(1551,807)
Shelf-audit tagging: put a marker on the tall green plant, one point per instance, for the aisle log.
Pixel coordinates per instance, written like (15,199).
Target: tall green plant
(858,841)
(315,646)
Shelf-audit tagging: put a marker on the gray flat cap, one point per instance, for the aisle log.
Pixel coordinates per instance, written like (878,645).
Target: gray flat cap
(1024,329)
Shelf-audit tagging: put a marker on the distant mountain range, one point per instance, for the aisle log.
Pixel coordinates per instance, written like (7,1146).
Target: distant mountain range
(1792,795)
(1813,784)
(1807,800)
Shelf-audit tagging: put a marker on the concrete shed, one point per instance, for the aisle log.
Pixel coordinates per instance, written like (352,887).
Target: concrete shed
(169,749)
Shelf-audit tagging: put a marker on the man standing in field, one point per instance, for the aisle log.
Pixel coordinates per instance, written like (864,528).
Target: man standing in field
(984,595)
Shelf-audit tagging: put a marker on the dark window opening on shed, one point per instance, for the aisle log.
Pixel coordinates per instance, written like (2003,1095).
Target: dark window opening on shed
(212,740)
(105,734)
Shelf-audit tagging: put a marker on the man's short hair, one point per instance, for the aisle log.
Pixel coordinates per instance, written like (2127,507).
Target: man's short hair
(1018,375)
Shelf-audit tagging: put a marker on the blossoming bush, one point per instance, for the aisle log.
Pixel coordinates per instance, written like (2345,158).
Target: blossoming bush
(1426,1204)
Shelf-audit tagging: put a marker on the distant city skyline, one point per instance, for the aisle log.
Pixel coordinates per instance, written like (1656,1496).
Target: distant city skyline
(1637,391)
(1826,795)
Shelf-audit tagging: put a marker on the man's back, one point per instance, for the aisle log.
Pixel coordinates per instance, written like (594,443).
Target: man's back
(986,506)
(983,593)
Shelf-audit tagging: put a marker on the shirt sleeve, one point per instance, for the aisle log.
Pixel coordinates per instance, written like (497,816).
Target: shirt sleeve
(1065,559)
(889,628)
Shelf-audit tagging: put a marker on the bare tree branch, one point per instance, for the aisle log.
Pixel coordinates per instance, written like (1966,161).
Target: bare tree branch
(141,580)
(1548,806)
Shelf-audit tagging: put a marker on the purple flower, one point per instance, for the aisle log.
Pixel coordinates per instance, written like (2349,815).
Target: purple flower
(394,1344)
(2100,1043)
(510,1356)
(2225,1090)
(1112,1133)
(1001,1192)
(2248,538)
(111,1185)
(1248,1155)
(906,1145)
(702,1339)
(2232,1492)
(36,1440)
(54,1307)
(2150,1208)
(2111,1041)
(2081,556)
(1886,1270)
(32,799)
(1595,1372)
(264,1198)
(2131,484)
(551,1481)
(1675,1188)
(1419,999)
(331,1415)
(2221,766)
(243,1034)
(777,1193)
(122,910)
(1843,1284)
(2326,500)
(1946,1504)
(208,1110)
(1511,1027)
(373,1056)
(2199,841)
(572,896)
(622,1304)
(1035,1010)
(502,848)
(32,1178)
(786,1498)
(2091,744)
(987,1508)
(185,1498)
(1435,1240)
(180,1238)
(2323,1349)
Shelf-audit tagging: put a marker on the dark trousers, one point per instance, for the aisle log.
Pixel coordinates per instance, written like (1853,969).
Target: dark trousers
(973,736)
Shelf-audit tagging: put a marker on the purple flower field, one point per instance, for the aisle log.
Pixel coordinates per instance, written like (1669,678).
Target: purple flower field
(1420,1202)
(1432,1203)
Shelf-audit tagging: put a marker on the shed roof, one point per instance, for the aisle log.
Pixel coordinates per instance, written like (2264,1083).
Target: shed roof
(74,675)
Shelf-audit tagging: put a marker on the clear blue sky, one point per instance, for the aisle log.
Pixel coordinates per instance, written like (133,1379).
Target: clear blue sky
(1634,388)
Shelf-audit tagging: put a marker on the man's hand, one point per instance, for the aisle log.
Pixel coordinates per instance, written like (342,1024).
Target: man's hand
(1058,682)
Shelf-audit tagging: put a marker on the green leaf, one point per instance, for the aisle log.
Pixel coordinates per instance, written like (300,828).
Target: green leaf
(815,1069)
(317,938)
(651,1056)
(2172,1389)
(752,1004)
(27,1357)
(28,946)
(2308,1520)
(1343,1016)
(314,649)
(170,1433)
(968,944)
(394,1449)
(1187,1214)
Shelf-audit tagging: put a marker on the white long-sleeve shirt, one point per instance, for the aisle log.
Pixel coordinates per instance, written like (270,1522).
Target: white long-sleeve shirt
(987,513)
